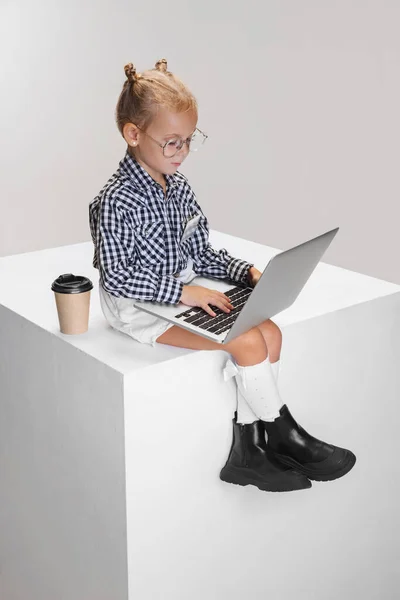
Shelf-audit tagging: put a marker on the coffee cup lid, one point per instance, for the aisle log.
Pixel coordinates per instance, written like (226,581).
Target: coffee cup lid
(71,284)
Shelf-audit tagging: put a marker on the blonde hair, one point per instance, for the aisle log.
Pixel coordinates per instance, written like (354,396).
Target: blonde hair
(143,93)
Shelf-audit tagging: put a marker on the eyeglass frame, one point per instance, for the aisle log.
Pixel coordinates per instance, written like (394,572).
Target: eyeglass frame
(205,136)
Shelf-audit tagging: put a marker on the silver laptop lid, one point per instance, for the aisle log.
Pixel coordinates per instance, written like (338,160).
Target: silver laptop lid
(281,282)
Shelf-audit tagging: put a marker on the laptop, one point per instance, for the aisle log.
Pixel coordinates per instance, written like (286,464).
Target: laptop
(278,287)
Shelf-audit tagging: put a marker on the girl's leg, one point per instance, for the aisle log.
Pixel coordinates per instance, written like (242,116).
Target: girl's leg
(273,338)
(247,349)
(291,444)
(257,394)
(248,462)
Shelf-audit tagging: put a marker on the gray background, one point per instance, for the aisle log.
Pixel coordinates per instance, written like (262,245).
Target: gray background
(300,100)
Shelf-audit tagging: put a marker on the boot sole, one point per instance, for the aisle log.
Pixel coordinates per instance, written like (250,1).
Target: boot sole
(323,475)
(230,476)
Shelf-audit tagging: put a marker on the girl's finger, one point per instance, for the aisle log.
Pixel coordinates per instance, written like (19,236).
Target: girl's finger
(224,299)
(222,305)
(208,309)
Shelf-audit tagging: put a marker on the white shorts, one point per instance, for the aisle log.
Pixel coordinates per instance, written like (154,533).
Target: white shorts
(140,325)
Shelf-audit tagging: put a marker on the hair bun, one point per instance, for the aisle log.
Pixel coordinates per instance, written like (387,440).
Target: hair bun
(130,72)
(161,65)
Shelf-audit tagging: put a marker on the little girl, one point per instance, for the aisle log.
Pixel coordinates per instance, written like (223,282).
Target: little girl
(144,252)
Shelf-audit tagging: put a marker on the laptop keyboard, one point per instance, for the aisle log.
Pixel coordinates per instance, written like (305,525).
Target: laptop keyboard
(222,321)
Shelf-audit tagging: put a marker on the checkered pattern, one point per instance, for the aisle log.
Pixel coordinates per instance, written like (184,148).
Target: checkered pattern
(136,232)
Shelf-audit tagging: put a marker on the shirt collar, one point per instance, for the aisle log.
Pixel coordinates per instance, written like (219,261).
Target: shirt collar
(130,167)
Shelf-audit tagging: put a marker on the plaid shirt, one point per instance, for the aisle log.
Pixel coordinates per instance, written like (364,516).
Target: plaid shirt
(136,231)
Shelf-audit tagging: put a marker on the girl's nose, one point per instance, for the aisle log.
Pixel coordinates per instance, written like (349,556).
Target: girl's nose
(183,152)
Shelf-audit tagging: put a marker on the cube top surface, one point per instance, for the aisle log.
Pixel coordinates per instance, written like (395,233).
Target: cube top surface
(26,289)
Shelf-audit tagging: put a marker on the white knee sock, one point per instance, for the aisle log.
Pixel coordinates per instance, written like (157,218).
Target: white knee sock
(257,394)
(244,412)
(275,369)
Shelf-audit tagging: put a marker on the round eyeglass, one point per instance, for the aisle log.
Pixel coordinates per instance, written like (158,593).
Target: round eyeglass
(171,147)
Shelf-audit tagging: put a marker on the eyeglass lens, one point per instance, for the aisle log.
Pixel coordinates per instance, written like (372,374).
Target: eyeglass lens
(194,143)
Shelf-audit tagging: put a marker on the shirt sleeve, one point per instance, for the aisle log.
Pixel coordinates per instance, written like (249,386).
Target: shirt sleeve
(208,261)
(120,276)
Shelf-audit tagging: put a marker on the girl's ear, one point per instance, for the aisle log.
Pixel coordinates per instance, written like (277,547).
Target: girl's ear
(131,134)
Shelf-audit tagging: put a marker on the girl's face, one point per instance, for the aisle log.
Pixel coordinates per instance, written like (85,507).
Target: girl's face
(165,126)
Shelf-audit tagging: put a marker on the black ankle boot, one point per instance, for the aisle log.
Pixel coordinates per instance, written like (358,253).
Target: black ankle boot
(291,445)
(250,462)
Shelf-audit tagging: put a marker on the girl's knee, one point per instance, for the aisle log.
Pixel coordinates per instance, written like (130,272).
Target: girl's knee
(271,326)
(277,331)
(251,340)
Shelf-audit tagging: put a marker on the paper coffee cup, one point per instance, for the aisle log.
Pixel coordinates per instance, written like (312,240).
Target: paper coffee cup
(72,295)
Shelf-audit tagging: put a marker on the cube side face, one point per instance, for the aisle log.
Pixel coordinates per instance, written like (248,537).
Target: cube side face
(192,535)
(62,481)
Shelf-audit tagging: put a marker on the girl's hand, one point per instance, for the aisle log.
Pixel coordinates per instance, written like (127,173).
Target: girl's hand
(253,276)
(196,295)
